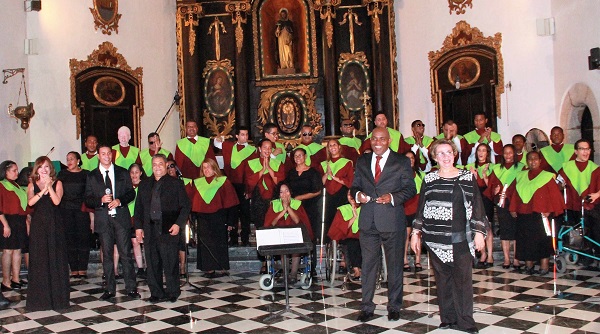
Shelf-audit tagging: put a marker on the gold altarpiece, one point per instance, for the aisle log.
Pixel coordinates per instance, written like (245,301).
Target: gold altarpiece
(289,62)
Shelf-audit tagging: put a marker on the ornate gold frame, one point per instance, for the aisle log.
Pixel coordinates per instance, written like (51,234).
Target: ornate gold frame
(472,80)
(98,94)
(456,45)
(106,26)
(210,119)
(459,6)
(309,97)
(106,56)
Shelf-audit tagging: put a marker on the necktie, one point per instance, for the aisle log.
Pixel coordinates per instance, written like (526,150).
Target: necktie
(377,168)
(108,183)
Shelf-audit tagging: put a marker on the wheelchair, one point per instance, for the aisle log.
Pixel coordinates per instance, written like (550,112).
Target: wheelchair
(334,254)
(275,275)
(572,243)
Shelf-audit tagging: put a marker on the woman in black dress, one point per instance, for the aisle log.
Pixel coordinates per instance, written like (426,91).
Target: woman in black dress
(306,185)
(48,265)
(76,221)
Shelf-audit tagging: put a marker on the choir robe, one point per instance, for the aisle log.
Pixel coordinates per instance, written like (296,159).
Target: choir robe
(422,153)
(554,156)
(336,193)
(146,159)
(398,143)
(263,182)
(350,148)
(275,207)
(472,139)
(411,205)
(214,215)
(339,229)
(500,177)
(89,162)
(125,156)
(582,179)
(190,166)
(235,171)
(15,209)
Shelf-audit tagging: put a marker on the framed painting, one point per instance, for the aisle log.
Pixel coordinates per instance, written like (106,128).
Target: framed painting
(109,91)
(465,70)
(219,93)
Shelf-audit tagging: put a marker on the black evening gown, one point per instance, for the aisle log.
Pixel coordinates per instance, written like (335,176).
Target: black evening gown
(48,265)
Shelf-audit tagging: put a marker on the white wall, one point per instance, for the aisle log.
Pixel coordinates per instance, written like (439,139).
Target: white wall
(65,30)
(528,59)
(15,143)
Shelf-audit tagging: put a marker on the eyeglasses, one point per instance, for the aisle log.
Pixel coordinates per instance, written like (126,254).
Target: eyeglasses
(151,143)
(584,148)
(171,166)
(420,125)
(307,134)
(447,153)
(349,125)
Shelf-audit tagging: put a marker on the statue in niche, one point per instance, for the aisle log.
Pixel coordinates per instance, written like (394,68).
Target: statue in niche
(284,33)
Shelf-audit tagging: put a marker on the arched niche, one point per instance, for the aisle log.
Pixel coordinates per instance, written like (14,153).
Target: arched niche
(574,103)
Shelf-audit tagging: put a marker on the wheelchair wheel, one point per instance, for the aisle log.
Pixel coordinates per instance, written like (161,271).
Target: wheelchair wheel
(305,281)
(266,282)
(571,258)
(331,261)
(560,264)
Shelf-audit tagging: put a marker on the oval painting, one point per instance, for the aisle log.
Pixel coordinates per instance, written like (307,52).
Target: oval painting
(288,113)
(353,84)
(218,92)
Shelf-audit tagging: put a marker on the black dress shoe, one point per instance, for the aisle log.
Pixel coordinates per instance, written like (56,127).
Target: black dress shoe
(134,294)
(15,285)
(118,277)
(393,315)
(447,325)
(472,330)
(23,282)
(172,299)
(5,288)
(364,316)
(154,299)
(107,295)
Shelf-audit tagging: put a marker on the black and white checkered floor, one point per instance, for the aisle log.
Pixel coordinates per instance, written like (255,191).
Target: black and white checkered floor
(506,302)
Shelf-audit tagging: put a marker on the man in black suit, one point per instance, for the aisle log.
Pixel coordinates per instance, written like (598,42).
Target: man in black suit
(161,210)
(108,190)
(383,181)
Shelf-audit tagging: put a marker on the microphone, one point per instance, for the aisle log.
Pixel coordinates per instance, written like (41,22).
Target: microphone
(50,152)
(177,98)
(178,172)
(107,191)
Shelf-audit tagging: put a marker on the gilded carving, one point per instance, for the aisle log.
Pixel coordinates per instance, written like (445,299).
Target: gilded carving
(238,17)
(458,6)
(352,19)
(191,14)
(327,12)
(374,9)
(105,56)
(463,35)
(106,16)
(217,32)
(394,67)
(308,98)
(219,129)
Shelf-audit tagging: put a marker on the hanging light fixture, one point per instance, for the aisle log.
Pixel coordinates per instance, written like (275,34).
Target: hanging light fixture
(22,113)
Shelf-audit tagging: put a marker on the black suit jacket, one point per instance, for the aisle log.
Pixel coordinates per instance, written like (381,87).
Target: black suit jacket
(175,205)
(94,190)
(396,179)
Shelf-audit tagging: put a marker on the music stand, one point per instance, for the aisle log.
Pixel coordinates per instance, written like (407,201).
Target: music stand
(284,250)
(187,259)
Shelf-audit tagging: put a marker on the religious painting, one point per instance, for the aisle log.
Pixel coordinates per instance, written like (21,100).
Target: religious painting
(109,91)
(284,38)
(288,111)
(353,83)
(465,70)
(218,91)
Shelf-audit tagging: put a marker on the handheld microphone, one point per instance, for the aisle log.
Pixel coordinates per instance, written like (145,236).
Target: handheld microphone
(107,191)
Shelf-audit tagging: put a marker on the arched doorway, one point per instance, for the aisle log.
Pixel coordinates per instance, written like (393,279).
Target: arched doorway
(587,127)
(580,116)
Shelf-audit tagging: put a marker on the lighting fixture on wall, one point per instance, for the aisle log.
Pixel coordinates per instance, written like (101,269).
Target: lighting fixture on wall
(33,5)
(22,113)
(594,59)
(545,27)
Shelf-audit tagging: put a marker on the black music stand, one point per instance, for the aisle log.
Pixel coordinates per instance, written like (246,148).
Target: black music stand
(284,250)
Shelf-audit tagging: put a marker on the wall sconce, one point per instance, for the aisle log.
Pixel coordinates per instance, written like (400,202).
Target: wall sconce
(22,113)
(457,82)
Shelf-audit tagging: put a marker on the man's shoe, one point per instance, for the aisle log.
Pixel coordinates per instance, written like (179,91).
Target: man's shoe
(153,299)
(393,315)
(172,299)
(364,316)
(472,330)
(447,325)
(107,295)
(141,273)
(134,295)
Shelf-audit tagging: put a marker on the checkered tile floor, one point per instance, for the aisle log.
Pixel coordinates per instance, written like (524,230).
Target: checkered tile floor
(506,302)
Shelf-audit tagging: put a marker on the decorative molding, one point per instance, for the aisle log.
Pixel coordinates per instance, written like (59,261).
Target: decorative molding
(394,67)
(191,16)
(219,129)
(106,25)
(217,32)
(236,9)
(374,9)
(287,82)
(351,18)
(105,56)
(459,6)
(308,96)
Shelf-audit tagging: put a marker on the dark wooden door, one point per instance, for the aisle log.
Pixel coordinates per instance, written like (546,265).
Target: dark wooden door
(104,122)
(461,105)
